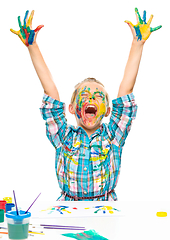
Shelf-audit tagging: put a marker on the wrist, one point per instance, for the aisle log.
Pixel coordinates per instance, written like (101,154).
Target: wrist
(33,46)
(138,42)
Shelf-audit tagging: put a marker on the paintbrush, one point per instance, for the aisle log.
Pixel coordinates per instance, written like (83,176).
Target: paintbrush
(15,203)
(56,226)
(32,203)
(64,228)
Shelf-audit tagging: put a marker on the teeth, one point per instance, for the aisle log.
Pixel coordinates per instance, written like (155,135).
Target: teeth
(91,107)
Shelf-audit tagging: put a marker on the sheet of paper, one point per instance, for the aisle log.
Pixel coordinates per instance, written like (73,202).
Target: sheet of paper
(77,209)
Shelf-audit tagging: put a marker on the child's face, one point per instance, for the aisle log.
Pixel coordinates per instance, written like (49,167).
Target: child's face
(90,105)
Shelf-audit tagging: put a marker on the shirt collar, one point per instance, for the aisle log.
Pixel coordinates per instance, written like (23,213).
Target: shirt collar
(80,130)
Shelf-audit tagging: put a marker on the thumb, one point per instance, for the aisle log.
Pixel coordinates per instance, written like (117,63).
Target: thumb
(15,32)
(130,24)
(37,31)
(38,28)
(131,27)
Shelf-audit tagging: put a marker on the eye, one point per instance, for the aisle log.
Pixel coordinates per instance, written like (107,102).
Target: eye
(99,96)
(84,95)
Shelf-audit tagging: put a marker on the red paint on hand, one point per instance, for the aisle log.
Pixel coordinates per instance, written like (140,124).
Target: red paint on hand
(38,28)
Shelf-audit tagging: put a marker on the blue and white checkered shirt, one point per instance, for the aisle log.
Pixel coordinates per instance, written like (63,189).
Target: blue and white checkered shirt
(88,166)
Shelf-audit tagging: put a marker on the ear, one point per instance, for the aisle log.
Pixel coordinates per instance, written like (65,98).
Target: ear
(71,109)
(107,112)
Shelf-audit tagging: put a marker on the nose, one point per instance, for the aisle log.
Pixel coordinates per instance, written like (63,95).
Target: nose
(90,98)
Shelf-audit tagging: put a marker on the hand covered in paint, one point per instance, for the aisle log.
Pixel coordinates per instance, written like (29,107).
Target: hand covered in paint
(26,34)
(142,30)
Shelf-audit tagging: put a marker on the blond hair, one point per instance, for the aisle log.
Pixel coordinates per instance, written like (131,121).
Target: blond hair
(87,80)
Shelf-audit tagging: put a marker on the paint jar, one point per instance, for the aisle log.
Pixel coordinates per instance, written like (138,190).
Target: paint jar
(8,199)
(18,224)
(9,206)
(2,204)
(1,215)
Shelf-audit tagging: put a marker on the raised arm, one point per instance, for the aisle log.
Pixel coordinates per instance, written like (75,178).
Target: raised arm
(141,32)
(28,37)
(43,72)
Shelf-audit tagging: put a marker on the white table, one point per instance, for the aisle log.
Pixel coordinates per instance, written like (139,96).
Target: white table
(137,221)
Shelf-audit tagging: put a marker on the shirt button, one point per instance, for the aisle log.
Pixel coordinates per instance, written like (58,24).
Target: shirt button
(85,192)
(85,169)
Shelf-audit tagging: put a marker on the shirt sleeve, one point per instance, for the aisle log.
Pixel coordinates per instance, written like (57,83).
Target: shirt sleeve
(53,112)
(123,113)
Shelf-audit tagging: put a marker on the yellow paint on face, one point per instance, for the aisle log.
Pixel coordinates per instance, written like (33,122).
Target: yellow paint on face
(102,108)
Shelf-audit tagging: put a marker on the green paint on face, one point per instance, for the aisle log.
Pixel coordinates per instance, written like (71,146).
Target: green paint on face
(99,94)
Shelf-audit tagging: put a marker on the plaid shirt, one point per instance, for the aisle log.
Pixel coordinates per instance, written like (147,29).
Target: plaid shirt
(88,166)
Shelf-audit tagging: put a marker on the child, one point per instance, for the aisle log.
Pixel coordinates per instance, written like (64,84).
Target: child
(88,157)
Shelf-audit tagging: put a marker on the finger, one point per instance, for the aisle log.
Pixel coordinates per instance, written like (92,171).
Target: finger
(19,22)
(15,32)
(144,16)
(150,20)
(138,16)
(29,22)
(132,27)
(129,23)
(156,28)
(25,18)
(38,28)
(20,36)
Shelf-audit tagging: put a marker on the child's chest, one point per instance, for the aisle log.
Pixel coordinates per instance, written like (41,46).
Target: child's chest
(83,157)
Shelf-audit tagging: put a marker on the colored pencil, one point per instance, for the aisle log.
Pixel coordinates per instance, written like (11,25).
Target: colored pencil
(15,203)
(36,231)
(41,233)
(32,203)
(63,228)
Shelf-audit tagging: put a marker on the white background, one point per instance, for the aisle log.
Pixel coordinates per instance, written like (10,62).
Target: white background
(83,39)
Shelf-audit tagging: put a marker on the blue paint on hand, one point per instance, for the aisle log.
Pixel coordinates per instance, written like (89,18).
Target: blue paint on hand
(25,18)
(31,37)
(144,17)
(138,33)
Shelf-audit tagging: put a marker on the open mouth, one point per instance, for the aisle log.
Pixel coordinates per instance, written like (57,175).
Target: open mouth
(90,111)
